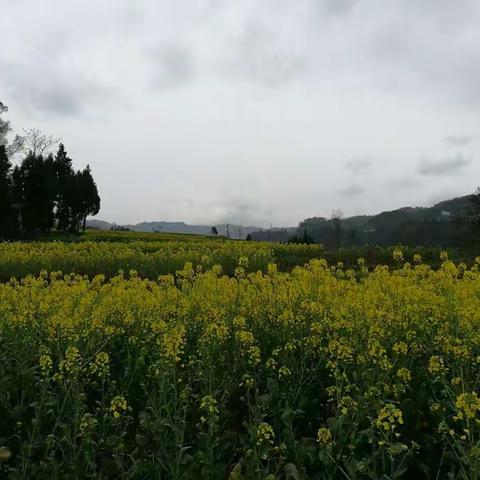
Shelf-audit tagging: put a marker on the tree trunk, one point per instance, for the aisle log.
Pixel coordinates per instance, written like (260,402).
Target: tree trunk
(84,222)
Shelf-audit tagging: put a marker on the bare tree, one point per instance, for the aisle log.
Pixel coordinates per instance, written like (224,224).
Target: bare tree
(336,218)
(14,146)
(37,142)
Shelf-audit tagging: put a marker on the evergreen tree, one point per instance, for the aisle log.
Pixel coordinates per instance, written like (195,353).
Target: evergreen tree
(64,172)
(83,197)
(39,190)
(5,195)
(91,199)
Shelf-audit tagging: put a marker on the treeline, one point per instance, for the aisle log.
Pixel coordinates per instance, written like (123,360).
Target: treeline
(44,192)
(452,223)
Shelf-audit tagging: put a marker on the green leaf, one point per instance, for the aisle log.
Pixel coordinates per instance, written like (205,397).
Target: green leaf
(291,472)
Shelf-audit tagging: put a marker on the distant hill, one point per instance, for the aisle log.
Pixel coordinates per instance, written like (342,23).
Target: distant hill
(436,225)
(99,224)
(235,231)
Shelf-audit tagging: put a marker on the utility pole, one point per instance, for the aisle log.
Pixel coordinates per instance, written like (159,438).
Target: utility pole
(336,218)
(228,231)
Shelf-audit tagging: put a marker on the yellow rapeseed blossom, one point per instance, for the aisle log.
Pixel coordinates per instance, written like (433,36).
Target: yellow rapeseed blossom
(404,374)
(209,407)
(389,417)
(397,255)
(436,365)
(100,366)
(87,423)
(468,405)
(263,341)
(284,372)
(265,434)
(46,364)
(324,437)
(118,406)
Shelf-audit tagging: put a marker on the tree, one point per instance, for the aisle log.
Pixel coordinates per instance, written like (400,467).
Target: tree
(4,125)
(472,215)
(37,142)
(64,171)
(84,198)
(5,128)
(37,186)
(42,189)
(214,230)
(304,239)
(5,195)
(336,218)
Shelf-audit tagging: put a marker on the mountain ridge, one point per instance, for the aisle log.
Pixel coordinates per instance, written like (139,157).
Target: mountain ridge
(374,227)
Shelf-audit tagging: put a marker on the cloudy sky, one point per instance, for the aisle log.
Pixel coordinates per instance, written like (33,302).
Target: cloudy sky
(251,111)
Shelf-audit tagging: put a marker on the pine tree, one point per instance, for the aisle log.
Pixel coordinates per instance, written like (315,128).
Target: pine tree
(91,199)
(5,196)
(84,198)
(64,171)
(39,190)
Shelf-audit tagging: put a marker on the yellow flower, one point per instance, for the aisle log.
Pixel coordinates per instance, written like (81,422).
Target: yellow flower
(100,366)
(400,348)
(247,381)
(87,423)
(389,417)
(46,364)
(397,255)
(347,405)
(436,365)
(404,374)
(284,372)
(265,434)
(324,437)
(208,405)
(254,355)
(456,381)
(468,405)
(118,406)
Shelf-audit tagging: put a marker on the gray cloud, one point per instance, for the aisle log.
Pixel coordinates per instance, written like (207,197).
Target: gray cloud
(337,7)
(171,66)
(280,92)
(242,212)
(359,165)
(351,191)
(446,166)
(53,92)
(404,183)
(457,140)
(259,55)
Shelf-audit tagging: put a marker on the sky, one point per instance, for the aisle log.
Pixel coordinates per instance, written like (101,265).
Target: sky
(256,112)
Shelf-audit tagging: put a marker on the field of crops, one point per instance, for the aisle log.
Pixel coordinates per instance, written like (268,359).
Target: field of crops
(150,258)
(210,361)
